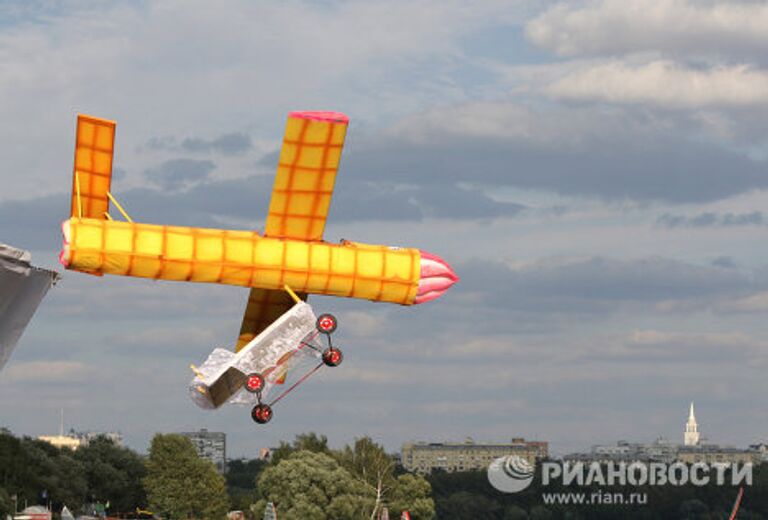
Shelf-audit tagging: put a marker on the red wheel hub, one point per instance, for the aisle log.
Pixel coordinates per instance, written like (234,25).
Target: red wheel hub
(326,323)
(255,383)
(261,413)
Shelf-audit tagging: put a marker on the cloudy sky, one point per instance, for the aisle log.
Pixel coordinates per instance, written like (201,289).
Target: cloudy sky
(595,172)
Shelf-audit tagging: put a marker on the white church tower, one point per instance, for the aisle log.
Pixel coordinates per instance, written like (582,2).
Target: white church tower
(691,436)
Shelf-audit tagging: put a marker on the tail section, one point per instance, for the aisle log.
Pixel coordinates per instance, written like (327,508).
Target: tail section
(92,175)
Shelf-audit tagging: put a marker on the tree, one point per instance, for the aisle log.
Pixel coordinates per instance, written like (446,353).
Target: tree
(369,463)
(466,505)
(68,485)
(113,474)
(312,486)
(181,485)
(6,505)
(28,467)
(241,480)
(514,512)
(303,441)
(693,509)
(373,467)
(541,513)
(413,493)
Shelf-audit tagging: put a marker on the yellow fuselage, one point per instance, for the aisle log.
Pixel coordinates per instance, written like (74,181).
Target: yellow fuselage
(243,258)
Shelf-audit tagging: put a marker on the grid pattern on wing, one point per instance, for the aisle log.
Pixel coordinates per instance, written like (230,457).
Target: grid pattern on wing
(264,306)
(242,258)
(306,174)
(94,148)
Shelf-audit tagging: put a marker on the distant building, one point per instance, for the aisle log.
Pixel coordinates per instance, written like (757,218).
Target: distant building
(761,450)
(660,450)
(74,440)
(691,435)
(422,457)
(712,453)
(61,441)
(210,446)
(87,437)
(694,449)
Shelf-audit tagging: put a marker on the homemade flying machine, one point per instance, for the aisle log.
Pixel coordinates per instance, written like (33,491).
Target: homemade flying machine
(286,263)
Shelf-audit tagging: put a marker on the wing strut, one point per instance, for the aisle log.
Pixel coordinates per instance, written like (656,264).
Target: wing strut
(288,289)
(119,207)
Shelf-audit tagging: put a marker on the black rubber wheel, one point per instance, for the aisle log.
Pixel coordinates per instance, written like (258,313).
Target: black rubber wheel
(327,323)
(254,383)
(332,357)
(262,413)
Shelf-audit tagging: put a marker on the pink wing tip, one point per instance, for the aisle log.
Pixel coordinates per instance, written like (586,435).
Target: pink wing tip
(436,278)
(333,117)
(64,255)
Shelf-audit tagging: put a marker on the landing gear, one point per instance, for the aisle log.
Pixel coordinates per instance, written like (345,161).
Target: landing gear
(261,413)
(254,383)
(327,323)
(332,357)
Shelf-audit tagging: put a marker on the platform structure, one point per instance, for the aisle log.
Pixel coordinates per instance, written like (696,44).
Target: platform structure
(296,344)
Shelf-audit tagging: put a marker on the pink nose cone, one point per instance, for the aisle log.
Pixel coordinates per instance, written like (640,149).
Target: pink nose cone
(436,278)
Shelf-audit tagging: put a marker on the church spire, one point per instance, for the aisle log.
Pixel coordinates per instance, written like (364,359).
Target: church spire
(691,435)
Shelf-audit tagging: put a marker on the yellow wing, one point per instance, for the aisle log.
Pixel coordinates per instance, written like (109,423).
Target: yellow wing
(92,176)
(301,196)
(306,174)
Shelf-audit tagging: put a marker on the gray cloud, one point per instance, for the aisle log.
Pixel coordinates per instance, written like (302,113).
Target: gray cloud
(234,143)
(118,174)
(725,262)
(597,284)
(452,202)
(174,174)
(614,26)
(161,143)
(664,83)
(34,224)
(712,219)
(567,151)
(227,144)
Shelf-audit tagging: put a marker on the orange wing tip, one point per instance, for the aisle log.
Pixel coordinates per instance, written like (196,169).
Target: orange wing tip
(64,256)
(331,117)
(96,119)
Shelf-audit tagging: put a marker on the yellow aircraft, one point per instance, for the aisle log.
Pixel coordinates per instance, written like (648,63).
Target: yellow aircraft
(290,254)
